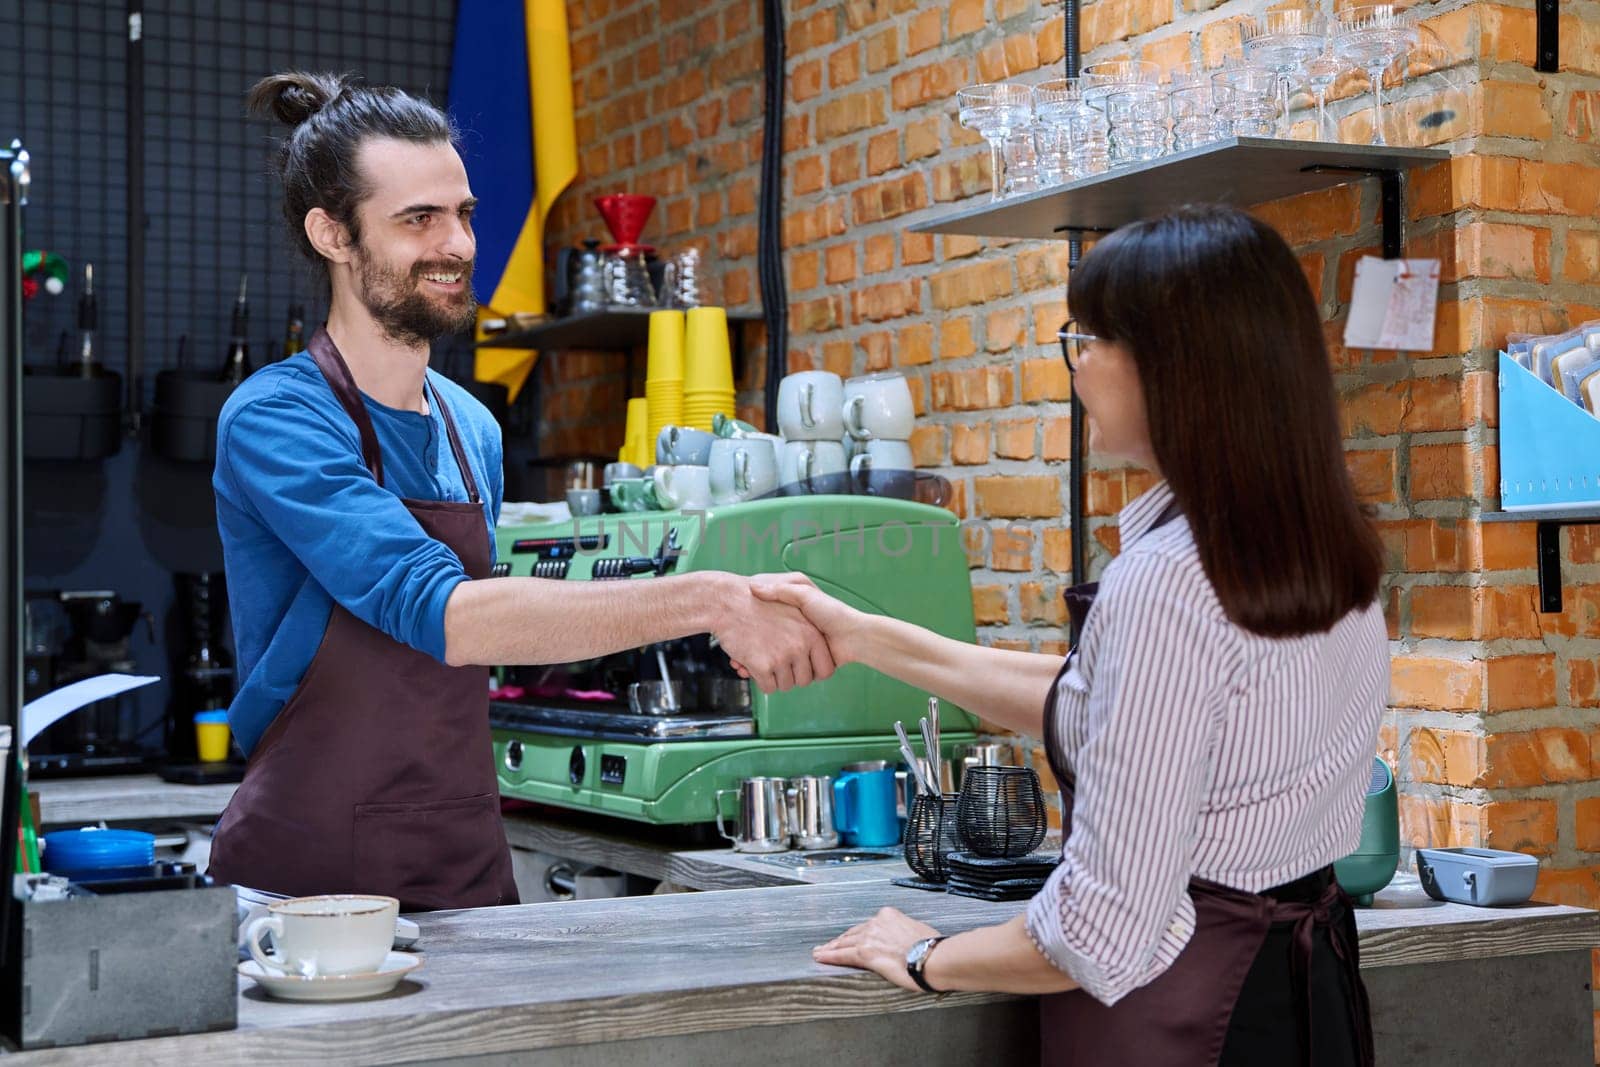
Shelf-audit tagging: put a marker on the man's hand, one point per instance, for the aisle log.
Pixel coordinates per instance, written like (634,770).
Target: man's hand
(770,642)
(838,622)
(880,944)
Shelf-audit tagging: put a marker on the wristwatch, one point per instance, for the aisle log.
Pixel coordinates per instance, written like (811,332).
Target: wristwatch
(917,959)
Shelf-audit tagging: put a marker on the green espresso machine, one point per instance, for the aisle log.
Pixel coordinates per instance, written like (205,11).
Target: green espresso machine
(566,734)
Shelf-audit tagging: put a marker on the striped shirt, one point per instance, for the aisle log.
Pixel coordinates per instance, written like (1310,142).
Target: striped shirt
(1198,749)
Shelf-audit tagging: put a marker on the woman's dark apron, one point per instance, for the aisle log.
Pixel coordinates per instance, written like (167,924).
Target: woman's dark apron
(1267,979)
(378,774)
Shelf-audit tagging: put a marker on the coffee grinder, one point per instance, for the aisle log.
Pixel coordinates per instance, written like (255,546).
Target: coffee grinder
(103,737)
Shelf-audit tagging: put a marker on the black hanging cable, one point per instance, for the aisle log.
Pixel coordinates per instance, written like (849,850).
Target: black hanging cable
(1079,458)
(769,247)
(13,194)
(134,192)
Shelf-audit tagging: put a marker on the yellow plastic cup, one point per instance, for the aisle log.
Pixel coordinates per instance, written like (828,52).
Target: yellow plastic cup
(635,428)
(707,359)
(664,359)
(211,736)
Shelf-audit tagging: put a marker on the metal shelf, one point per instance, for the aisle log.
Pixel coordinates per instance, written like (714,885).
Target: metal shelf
(1239,170)
(1547,532)
(617,330)
(1574,516)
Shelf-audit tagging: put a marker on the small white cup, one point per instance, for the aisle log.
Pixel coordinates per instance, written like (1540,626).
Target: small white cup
(683,486)
(878,406)
(882,455)
(326,935)
(743,468)
(810,406)
(803,461)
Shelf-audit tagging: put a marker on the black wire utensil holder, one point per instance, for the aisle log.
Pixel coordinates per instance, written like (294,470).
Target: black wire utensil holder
(1000,812)
(931,836)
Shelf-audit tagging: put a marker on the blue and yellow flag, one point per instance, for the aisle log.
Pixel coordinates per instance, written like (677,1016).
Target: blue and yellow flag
(511,97)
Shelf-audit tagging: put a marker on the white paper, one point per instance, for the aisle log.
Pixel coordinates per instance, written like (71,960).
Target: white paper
(40,713)
(1393,304)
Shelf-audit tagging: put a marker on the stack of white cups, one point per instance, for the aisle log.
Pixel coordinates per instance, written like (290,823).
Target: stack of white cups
(810,406)
(878,417)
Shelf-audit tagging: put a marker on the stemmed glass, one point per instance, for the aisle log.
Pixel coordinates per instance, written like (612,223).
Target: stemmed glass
(1100,80)
(1373,37)
(995,110)
(1321,71)
(1061,105)
(1282,41)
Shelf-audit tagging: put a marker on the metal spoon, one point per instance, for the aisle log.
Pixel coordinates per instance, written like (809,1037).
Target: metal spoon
(911,758)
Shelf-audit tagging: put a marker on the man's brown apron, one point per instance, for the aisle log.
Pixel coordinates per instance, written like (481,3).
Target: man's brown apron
(378,774)
(1242,990)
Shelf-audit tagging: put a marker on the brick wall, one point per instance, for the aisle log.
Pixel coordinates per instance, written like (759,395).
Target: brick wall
(1495,718)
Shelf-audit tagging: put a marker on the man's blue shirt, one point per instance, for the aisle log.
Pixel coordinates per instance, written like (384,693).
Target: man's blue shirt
(304,523)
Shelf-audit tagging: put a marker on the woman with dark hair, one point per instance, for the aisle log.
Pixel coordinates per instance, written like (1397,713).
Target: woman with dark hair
(1214,727)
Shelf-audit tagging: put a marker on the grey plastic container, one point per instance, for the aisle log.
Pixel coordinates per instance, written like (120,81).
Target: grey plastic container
(1486,877)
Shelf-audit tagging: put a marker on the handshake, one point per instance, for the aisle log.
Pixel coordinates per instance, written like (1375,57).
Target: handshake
(783,632)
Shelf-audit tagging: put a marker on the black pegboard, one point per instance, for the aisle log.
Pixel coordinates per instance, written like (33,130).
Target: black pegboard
(211,207)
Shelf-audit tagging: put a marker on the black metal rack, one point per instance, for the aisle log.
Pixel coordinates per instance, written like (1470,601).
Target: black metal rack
(615,330)
(1548,533)
(619,329)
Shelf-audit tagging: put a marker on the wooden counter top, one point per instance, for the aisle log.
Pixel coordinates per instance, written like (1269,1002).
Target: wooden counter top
(545,976)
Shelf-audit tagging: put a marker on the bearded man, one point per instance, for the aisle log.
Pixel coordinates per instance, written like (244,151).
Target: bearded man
(357,493)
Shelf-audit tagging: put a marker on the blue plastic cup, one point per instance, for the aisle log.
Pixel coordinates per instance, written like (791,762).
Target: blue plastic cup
(864,807)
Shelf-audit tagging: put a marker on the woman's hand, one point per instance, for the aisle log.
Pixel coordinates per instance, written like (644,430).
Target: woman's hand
(837,621)
(880,944)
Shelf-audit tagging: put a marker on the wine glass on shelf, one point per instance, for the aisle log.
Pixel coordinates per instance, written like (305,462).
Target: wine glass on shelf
(1372,37)
(1321,71)
(995,110)
(1282,41)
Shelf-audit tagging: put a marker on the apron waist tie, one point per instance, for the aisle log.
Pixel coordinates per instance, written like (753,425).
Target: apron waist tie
(1307,916)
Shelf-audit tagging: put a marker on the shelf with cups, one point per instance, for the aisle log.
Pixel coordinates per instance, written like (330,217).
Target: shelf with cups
(615,329)
(1547,531)
(1239,170)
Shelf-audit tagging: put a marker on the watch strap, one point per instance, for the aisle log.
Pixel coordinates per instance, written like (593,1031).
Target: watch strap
(917,960)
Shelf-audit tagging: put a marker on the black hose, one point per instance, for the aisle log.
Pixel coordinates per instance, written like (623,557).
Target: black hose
(769,246)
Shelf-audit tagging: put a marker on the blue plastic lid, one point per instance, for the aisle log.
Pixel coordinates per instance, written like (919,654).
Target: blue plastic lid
(90,849)
(211,716)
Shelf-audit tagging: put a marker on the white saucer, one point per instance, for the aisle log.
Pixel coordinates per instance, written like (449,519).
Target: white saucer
(396,965)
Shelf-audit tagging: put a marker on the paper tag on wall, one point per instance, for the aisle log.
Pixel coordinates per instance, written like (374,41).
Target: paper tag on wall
(1393,304)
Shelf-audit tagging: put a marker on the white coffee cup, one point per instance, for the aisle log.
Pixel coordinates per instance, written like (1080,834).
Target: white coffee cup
(743,468)
(809,406)
(878,406)
(882,455)
(683,486)
(326,935)
(803,461)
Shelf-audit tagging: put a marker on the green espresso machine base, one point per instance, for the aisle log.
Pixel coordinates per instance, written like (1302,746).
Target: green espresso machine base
(881,555)
(668,782)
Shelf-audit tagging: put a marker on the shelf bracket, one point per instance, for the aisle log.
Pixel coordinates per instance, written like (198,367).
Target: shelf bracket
(1547,29)
(1391,204)
(1549,541)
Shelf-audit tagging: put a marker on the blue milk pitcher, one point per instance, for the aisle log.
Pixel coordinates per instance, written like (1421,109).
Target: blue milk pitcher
(863,805)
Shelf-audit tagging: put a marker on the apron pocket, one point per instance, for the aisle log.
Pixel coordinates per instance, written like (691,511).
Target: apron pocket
(440,854)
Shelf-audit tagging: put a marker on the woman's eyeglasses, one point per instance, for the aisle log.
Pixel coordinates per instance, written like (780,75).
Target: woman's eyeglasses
(1072,343)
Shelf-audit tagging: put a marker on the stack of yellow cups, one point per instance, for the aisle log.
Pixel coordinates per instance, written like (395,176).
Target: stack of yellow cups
(663,376)
(707,368)
(633,437)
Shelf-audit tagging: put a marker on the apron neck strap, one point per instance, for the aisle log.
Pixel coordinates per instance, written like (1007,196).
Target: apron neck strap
(455,444)
(337,372)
